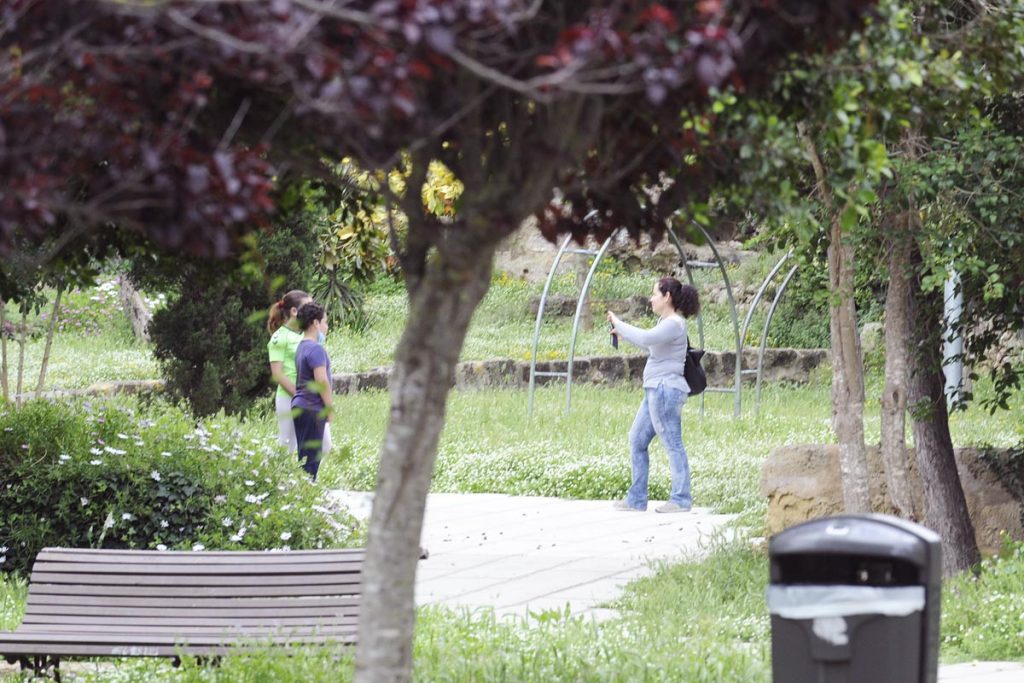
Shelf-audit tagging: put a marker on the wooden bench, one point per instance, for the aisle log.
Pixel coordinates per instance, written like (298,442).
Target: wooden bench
(148,603)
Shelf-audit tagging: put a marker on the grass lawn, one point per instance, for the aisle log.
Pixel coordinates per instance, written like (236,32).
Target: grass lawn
(692,621)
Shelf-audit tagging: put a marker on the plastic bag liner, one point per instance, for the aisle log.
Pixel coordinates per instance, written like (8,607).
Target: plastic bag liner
(812,602)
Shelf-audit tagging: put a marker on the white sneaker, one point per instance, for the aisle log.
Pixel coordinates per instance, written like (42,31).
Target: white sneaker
(672,507)
(623,506)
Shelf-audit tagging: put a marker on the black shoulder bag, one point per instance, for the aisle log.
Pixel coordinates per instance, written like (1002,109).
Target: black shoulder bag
(693,373)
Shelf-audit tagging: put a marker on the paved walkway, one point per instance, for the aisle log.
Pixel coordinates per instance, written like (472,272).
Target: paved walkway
(518,554)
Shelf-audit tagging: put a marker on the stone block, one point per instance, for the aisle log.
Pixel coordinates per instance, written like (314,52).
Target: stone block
(802,482)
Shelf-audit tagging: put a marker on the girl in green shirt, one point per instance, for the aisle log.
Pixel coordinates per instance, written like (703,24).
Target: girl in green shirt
(284,339)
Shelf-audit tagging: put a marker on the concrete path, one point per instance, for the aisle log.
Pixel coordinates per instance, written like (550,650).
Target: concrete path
(521,554)
(518,554)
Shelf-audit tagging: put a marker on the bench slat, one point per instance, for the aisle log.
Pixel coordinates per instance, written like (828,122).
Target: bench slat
(346,625)
(207,557)
(181,580)
(85,645)
(119,623)
(192,568)
(161,613)
(350,586)
(37,603)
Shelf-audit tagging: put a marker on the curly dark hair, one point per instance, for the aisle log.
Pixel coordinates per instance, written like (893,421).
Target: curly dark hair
(685,299)
(310,312)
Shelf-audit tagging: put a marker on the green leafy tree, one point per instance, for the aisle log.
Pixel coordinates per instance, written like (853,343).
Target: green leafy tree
(835,153)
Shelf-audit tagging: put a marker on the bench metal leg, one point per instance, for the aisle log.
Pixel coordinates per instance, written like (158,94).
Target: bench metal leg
(41,666)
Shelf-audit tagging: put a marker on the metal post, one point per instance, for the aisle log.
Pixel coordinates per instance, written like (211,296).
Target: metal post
(536,328)
(580,303)
(764,337)
(738,379)
(952,343)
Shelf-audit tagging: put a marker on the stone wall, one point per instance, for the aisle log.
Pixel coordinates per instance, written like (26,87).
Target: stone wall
(528,255)
(802,483)
(791,365)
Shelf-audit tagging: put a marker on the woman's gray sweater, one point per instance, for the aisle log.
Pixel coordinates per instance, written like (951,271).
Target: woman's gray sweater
(666,343)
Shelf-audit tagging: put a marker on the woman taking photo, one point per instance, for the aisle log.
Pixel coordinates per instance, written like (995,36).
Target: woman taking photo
(665,391)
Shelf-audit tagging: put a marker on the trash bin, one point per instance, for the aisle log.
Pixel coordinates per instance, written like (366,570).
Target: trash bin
(855,598)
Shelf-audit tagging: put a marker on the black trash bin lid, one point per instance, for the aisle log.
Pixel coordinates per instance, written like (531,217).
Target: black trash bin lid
(875,536)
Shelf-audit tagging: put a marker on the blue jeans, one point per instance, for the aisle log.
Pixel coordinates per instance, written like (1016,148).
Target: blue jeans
(309,437)
(659,415)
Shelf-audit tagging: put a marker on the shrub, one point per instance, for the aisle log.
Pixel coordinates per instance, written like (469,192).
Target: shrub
(96,475)
(211,338)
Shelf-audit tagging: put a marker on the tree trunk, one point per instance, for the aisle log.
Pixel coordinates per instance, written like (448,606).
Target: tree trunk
(3,350)
(441,305)
(847,366)
(135,308)
(945,507)
(22,343)
(847,375)
(898,306)
(49,339)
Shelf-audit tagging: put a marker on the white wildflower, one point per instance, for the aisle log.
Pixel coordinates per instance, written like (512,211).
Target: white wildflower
(166,454)
(123,436)
(84,501)
(161,546)
(127,517)
(64,457)
(219,499)
(154,475)
(250,498)
(95,462)
(114,451)
(164,524)
(96,451)
(227,521)
(108,523)
(235,538)
(198,546)
(250,482)
(286,535)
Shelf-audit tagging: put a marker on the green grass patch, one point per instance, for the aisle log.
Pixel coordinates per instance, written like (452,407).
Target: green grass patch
(13,593)
(983,615)
(489,445)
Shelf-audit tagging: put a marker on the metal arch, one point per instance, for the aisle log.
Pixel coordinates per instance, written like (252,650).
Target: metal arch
(764,336)
(540,318)
(580,303)
(761,291)
(737,375)
(689,276)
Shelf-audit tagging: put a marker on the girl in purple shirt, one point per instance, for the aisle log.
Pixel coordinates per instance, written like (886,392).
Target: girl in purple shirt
(312,401)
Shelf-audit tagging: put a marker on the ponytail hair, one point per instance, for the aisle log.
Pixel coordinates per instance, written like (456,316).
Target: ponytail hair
(278,315)
(685,299)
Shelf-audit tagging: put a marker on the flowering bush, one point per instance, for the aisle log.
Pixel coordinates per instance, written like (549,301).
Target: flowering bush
(104,476)
(87,311)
